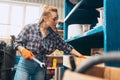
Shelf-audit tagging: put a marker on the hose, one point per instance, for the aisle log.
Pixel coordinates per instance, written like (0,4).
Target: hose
(93,60)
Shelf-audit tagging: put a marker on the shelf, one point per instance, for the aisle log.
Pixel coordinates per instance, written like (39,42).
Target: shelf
(88,33)
(82,4)
(92,3)
(84,12)
(83,16)
(91,39)
(95,38)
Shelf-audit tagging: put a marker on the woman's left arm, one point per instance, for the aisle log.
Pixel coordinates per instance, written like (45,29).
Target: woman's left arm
(76,53)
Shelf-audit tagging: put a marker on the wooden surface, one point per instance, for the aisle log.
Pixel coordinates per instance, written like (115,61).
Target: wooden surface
(98,72)
(69,75)
(78,61)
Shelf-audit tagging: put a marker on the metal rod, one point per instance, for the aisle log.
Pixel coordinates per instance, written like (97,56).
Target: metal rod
(42,64)
(36,60)
(75,7)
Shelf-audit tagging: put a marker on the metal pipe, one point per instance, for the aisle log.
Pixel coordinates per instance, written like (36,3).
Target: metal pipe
(73,10)
(109,57)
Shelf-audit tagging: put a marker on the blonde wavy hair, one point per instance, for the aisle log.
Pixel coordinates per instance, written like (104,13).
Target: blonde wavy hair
(47,11)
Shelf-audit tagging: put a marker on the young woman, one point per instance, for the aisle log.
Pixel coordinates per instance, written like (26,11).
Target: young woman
(40,39)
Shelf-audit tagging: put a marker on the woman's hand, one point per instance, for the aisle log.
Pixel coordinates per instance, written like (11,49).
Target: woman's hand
(82,56)
(27,54)
(76,53)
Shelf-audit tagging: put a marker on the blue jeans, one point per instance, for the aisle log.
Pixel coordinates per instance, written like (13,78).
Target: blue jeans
(29,70)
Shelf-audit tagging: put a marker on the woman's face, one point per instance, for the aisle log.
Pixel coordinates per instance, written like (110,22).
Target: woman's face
(52,20)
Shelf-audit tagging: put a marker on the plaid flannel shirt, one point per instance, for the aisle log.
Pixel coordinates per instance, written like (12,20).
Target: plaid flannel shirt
(32,37)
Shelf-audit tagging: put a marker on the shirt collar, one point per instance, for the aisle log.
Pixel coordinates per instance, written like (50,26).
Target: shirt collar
(50,31)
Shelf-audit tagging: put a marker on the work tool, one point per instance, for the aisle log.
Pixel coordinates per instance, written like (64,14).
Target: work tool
(42,64)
